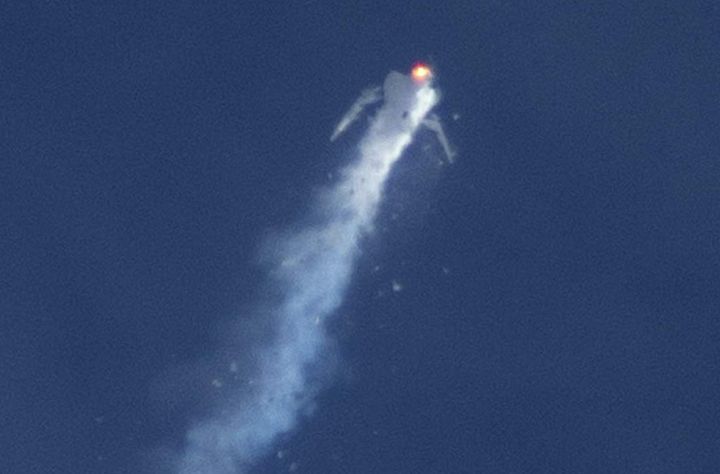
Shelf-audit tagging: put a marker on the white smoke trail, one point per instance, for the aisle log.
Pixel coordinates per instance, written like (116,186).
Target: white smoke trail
(311,272)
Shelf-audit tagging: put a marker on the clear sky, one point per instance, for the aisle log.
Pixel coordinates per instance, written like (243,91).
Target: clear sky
(558,284)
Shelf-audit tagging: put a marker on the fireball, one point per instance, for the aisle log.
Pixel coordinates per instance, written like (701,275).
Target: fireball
(421,73)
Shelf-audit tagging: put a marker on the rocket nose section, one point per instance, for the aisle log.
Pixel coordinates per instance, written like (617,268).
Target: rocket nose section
(406,103)
(400,91)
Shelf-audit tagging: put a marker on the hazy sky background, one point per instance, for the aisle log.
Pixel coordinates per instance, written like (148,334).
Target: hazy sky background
(559,304)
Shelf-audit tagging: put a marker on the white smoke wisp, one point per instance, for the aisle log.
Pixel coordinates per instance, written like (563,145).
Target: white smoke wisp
(312,271)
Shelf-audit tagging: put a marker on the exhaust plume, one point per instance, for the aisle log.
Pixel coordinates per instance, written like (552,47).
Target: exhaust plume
(311,270)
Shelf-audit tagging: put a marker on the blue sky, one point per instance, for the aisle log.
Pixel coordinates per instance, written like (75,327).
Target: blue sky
(559,298)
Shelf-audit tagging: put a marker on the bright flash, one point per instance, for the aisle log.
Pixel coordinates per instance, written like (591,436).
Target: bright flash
(421,73)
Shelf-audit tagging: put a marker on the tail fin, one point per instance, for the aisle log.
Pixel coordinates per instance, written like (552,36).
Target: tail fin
(433,123)
(367,97)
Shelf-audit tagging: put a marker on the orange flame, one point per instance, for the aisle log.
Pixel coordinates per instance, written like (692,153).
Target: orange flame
(421,73)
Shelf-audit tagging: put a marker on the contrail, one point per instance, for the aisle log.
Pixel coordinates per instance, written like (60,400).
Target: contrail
(310,275)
